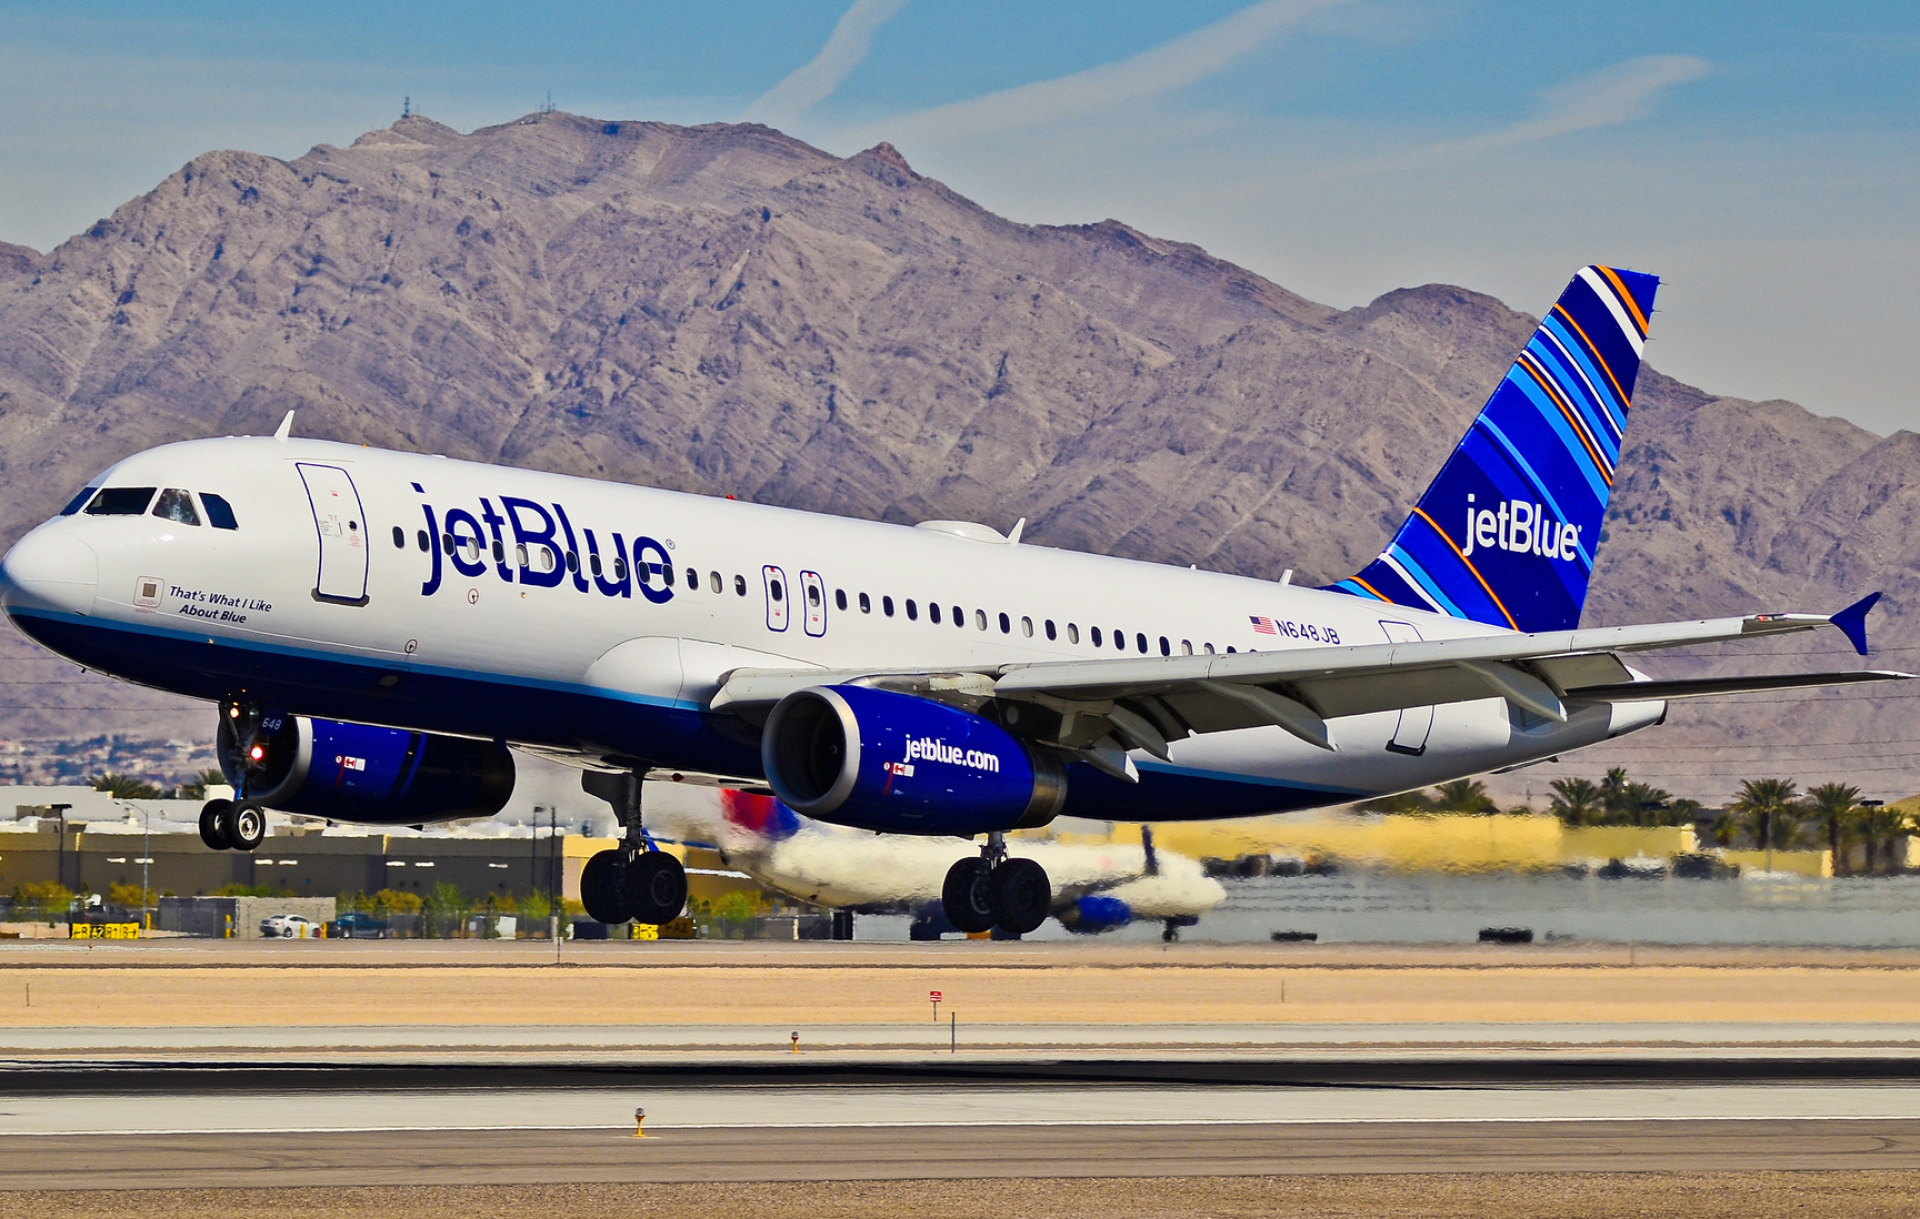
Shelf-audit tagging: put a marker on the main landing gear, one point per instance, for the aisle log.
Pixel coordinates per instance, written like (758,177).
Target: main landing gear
(635,881)
(994,891)
(228,825)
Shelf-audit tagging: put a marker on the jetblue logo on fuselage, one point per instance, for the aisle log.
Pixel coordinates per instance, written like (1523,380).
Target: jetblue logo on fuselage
(1522,528)
(536,545)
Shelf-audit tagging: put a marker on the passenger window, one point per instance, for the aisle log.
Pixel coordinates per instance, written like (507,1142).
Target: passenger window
(1093,633)
(219,512)
(666,574)
(1229,649)
(548,560)
(1186,647)
(813,595)
(399,538)
(426,543)
(693,580)
(121,501)
(500,552)
(1073,633)
(1140,642)
(593,563)
(886,606)
(1051,634)
(1209,648)
(1026,627)
(520,557)
(959,617)
(980,619)
(78,501)
(740,586)
(840,598)
(1166,649)
(866,606)
(933,611)
(177,506)
(573,560)
(619,568)
(775,591)
(913,611)
(716,582)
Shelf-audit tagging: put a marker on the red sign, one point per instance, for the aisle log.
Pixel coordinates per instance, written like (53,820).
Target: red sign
(934,996)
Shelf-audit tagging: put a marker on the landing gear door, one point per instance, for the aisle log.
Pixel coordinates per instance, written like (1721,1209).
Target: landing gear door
(342,526)
(1416,723)
(816,604)
(777,598)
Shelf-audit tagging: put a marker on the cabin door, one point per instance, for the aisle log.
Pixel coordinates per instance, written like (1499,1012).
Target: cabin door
(342,526)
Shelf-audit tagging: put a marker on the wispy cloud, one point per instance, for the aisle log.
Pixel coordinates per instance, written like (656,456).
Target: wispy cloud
(1619,94)
(812,84)
(1169,66)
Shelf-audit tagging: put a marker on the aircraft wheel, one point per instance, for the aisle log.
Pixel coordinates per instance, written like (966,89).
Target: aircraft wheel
(964,896)
(654,887)
(246,826)
(1021,895)
(213,824)
(600,888)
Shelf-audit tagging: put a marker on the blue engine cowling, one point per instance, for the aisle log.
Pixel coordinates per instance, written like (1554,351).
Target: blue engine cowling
(376,776)
(878,760)
(1094,913)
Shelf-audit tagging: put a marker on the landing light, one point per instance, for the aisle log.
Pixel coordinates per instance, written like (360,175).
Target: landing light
(257,752)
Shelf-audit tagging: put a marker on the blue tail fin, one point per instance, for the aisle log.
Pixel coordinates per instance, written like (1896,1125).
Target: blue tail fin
(1506,534)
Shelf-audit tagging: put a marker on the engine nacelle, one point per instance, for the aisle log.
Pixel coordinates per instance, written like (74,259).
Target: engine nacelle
(376,776)
(878,760)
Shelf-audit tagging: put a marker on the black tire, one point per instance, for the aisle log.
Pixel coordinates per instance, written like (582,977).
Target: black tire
(654,887)
(213,824)
(1021,895)
(246,826)
(964,896)
(600,888)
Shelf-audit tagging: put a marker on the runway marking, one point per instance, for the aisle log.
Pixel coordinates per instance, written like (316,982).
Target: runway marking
(626,1127)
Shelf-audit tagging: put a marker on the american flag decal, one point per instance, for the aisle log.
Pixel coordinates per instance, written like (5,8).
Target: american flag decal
(1263,626)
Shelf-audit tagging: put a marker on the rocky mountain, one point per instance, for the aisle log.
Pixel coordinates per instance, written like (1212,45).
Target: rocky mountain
(723,309)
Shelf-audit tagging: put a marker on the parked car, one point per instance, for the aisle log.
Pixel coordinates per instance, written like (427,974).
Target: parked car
(355,925)
(289,927)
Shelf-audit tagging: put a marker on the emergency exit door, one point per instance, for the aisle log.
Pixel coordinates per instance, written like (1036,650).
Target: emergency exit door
(342,526)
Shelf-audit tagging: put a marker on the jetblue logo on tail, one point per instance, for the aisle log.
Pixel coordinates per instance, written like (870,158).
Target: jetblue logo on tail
(1523,528)
(1532,475)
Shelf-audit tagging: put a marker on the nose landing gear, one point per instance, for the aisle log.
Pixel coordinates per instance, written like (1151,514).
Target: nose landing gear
(994,891)
(226,825)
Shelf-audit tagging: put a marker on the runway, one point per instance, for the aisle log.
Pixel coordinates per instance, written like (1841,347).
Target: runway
(152,1127)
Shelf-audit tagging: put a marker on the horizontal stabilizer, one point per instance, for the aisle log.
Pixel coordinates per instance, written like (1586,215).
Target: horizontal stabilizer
(1706,687)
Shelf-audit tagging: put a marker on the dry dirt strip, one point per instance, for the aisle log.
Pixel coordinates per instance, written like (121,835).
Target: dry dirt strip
(210,995)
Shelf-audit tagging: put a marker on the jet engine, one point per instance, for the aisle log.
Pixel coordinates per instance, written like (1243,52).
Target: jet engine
(879,760)
(354,772)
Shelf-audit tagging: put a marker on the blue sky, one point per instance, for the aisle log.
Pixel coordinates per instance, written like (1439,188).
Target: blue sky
(1761,157)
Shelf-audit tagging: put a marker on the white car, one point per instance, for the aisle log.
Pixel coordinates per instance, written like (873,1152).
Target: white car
(289,927)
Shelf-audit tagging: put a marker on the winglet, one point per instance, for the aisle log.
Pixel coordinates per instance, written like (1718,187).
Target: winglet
(285,429)
(1852,621)
(1019,527)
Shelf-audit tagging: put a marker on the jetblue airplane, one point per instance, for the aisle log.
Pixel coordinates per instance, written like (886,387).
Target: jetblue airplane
(378,628)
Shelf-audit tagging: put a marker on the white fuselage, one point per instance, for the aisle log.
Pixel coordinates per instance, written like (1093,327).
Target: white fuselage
(603,666)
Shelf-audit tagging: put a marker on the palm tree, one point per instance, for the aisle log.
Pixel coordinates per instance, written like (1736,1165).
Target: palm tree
(1767,806)
(1877,825)
(1465,796)
(1835,804)
(1576,802)
(196,788)
(123,787)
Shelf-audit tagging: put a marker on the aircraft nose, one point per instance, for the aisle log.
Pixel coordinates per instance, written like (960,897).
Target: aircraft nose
(49,569)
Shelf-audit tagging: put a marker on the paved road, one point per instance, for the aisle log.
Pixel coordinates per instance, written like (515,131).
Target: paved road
(949,1152)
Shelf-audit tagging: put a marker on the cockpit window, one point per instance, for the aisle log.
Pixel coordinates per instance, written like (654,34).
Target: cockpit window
(177,506)
(219,511)
(121,501)
(79,501)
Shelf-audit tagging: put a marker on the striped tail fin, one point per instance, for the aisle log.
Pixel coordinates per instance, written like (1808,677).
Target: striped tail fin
(1506,534)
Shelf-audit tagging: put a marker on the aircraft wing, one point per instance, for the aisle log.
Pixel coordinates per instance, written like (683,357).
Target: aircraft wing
(1145,702)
